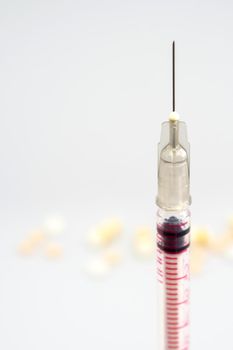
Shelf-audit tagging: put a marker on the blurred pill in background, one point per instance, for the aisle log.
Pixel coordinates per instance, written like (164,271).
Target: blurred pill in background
(143,242)
(112,257)
(54,225)
(53,250)
(105,233)
(97,267)
(26,247)
(37,236)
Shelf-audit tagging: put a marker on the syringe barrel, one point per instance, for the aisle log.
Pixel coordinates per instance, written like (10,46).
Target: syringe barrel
(173,237)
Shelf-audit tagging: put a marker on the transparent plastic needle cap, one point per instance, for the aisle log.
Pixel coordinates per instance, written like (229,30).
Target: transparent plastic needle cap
(173,167)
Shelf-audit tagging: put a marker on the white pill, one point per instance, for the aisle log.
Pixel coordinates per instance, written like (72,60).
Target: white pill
(97,268)
(54,225)
(228,253)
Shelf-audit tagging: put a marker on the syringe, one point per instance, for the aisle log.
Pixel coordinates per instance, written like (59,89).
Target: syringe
(173,232)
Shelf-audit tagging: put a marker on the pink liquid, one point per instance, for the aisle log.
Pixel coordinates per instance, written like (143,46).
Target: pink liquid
(173,278)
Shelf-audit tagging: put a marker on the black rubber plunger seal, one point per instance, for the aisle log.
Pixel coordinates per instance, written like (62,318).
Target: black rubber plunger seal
(172,250)
(171,237)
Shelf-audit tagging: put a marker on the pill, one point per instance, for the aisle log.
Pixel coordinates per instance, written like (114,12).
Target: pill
(228,253)
(105,233)
(53,250)
(201,236)
(97,268)
(26,247)
(112,257)
(230,223)
(54,225)
(36,236)
(222,242)
(143,242)
(197,259)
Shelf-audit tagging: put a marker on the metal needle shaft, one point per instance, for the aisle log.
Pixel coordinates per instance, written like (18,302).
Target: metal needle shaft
(173,78)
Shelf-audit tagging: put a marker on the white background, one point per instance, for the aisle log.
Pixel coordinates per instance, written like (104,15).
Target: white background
(84,87)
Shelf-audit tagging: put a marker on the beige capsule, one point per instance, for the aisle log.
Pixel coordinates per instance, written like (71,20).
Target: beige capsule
(201,236)
(105,233)
(222,242)
(143,242)
(197,259)
(112,257)
(26,247)
(54,250)
(228,234)
(36,236)
(230,224)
